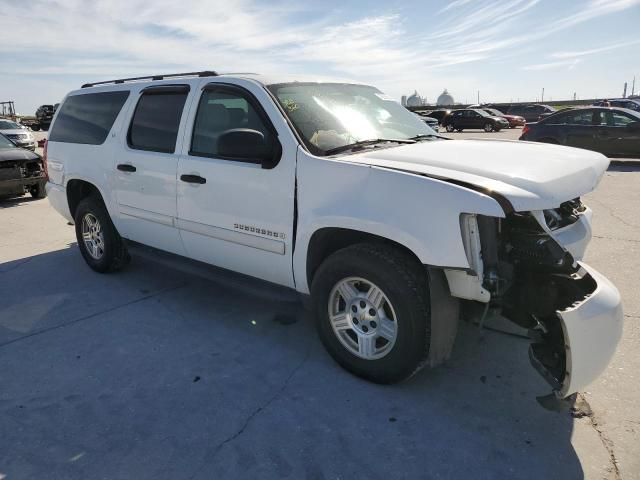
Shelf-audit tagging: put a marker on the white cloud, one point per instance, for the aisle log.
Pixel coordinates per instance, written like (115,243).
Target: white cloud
(564,64)
(583,53)
(110,38)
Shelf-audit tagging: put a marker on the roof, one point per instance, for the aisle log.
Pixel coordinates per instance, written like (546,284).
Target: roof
(262,79)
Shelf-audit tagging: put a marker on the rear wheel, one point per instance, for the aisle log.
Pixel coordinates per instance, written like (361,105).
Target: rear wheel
(449,128)
(488,127)
(372,311)
(98,240)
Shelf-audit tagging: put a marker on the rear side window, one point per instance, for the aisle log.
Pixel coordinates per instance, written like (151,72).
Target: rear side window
(155,122)
(87,118)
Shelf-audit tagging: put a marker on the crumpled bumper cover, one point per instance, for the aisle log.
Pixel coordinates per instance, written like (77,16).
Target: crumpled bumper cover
(592,329)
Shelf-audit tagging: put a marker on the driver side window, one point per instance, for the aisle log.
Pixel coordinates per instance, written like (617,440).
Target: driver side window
(220,111)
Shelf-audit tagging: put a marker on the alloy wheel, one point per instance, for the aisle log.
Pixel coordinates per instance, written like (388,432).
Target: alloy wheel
(92,236)
(362,318)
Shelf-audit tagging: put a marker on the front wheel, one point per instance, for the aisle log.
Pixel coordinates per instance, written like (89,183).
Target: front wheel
(98,239)
(38,191)
(488,127)
(372,311)
(449,128)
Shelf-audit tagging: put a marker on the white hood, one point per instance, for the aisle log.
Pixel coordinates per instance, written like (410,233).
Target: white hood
(532,176)
(16,131)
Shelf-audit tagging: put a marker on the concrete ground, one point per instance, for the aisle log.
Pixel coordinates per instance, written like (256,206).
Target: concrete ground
(152,373)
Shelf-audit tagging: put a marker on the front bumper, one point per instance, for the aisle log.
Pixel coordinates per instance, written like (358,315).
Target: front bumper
(591,328)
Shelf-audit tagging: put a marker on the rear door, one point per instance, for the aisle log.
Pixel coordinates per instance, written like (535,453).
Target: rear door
(233,210)
(616,137)
(579,129)
(145,167)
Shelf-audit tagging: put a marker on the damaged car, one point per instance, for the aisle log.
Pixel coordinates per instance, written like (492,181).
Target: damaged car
(21,171)
(336,191)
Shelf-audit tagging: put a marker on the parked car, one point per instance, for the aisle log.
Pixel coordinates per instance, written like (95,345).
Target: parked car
(631,104)
(21,171)
(473,118)
(611,131)
(337,192)
(531,113)
(439,114)
(514,120)
(44,115)
(430,121)
(18,134)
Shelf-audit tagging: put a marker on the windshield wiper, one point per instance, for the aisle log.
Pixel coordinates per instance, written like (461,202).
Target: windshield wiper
(427,135)
(364,143)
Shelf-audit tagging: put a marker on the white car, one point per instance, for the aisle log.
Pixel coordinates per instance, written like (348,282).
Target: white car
(18,134)
(338,192)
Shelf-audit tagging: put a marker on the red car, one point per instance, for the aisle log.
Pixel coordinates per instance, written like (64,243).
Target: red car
(514,120)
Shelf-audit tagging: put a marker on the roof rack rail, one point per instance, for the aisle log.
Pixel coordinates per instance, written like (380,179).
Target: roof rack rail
(206,73)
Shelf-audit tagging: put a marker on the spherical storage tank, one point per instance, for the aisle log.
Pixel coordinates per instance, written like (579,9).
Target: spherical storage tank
(445,98)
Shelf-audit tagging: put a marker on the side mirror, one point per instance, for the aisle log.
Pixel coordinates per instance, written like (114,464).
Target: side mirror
(250,145)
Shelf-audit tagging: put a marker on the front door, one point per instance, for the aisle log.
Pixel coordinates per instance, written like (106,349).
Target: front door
(145,168)
(235,211)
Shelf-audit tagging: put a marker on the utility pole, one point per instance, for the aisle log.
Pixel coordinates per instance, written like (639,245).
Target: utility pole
(624,92)
(478,97)
(542,97)
(633,86)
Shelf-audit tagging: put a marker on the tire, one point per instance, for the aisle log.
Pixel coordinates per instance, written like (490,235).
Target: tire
(404,286)
(114,255)
(38,191)
(35,128)
(45,128)
(488,127)
(449,128)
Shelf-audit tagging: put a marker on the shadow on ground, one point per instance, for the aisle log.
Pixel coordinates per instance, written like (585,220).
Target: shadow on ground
(154,374)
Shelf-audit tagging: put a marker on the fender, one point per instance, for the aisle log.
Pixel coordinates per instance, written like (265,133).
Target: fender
(424,216)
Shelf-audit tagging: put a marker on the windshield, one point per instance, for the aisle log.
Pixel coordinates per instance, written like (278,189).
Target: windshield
(5,142)
(8,125)
(332,115)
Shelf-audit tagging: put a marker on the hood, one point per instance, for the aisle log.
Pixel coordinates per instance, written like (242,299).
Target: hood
(14,154)
(15,131)
(532,176)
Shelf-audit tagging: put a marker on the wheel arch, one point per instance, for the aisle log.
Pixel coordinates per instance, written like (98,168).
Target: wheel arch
(77,189)
(328,240)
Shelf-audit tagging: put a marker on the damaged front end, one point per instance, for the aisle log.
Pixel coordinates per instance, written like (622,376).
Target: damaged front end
(530,266)
(20,175)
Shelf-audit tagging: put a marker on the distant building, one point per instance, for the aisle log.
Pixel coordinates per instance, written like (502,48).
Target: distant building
(415,100)
(445,98)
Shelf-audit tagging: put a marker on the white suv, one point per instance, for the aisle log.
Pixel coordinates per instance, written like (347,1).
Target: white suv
(335,190)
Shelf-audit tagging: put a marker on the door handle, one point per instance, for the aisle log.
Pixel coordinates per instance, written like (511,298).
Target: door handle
(126,167)
(193,179)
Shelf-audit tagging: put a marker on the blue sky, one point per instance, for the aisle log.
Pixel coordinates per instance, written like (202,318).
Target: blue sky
(507,49)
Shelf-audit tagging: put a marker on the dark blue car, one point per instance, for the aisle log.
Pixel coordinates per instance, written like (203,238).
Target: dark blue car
(611,131)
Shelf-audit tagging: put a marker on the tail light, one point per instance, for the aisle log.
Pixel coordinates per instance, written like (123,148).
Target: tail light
(44,159)
(525,129)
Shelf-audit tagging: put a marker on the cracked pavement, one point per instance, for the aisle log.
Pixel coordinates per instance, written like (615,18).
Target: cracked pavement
(155,373)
